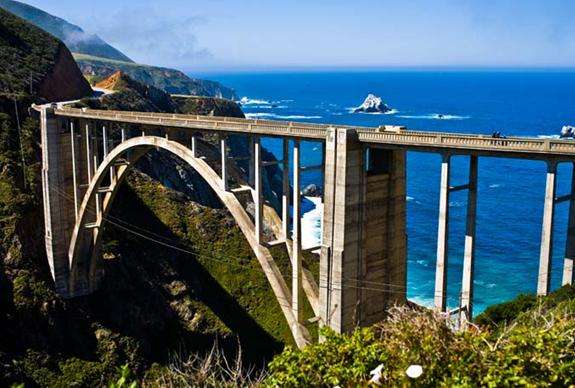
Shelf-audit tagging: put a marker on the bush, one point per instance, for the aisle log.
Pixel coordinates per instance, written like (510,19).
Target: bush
(536,349)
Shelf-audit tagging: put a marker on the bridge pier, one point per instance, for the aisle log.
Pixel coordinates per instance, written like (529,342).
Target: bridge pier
(258,186)
(285,190)
(297,289)
(466,304)
(570,243)
(440,295)
(546,254)
(362,262)
(224,162)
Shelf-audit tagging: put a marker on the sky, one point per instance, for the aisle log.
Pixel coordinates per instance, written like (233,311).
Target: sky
(269,34)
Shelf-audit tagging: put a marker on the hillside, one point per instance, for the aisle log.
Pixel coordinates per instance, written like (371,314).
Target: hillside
(36,65)
(170,80)
(97,59)
(76,39)
(134,95)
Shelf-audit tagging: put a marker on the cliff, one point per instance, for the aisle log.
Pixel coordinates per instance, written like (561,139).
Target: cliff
(35,64)
(170,80)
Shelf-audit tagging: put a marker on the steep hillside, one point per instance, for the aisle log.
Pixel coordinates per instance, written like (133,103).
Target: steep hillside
(134,95)
(33,63)
(73,36)
(170,80)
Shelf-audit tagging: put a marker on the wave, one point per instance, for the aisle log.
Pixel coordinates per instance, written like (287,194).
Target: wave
(264,115)
(435,116)
(408,198)
(253,101)
(495,185)
(549,136)
(422,262)
(389,112)
(311,224)
(266,106)
(455,204)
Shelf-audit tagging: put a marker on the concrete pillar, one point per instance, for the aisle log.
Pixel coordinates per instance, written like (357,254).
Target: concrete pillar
(95,164)
(194,146)
(57,182)
(73,138)
(224,163)
(89,150)
(440,296)
(466,312)
(363,261)
(546,253)
(251,163)
(259,197)
(285,190)
(570,243)
(297,291)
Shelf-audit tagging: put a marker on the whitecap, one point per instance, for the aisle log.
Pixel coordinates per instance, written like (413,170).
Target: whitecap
(253,101)
(549,136)
(408,198)
(422,262)
(455,204)
(265,115)
(494,185)
(266,107)
(435,116)
(311,222)
(426,302)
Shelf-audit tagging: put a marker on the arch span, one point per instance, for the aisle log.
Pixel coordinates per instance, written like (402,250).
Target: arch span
(85,242)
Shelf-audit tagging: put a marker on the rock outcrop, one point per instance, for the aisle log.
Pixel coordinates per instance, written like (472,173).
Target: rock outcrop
(372,104)
(567,131)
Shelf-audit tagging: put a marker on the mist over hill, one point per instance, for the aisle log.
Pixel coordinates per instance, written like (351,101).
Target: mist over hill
(98,59)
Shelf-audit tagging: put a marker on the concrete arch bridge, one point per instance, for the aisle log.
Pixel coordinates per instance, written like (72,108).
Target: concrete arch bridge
(86,155)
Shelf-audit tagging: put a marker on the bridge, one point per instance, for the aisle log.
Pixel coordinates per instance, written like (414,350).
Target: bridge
(86,154)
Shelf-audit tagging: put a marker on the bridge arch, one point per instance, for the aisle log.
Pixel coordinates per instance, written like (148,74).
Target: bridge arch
(83,254)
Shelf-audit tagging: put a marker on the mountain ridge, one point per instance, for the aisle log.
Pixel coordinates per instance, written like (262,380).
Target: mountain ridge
(73,36)
(98,60)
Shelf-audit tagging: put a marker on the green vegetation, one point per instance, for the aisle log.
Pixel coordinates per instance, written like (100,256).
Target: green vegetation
(27,55)
(73,36)
(534,349)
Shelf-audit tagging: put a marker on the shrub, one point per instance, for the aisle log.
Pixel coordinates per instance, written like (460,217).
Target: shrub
(535,349)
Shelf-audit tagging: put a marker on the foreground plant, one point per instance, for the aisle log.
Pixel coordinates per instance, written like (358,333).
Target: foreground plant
(536,349)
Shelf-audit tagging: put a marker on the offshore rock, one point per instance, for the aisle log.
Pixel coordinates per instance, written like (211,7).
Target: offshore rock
(372,104)
(567,131)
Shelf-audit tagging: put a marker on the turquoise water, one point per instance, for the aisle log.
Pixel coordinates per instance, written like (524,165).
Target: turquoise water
(511,192)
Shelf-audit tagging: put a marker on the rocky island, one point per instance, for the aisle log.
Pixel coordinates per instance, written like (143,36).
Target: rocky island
(372,104)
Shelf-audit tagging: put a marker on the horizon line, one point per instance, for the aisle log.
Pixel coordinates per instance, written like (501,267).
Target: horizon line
(422,68)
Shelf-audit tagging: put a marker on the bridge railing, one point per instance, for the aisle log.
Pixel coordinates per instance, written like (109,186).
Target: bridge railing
(405,138)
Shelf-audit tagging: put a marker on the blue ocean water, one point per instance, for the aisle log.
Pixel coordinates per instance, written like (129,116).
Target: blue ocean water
(511,192)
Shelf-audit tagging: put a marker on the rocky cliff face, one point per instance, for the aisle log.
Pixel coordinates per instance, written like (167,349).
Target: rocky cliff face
(65,81)
(35,65)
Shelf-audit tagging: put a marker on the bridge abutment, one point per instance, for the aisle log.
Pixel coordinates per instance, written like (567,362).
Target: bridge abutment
(363,257)
(57,187)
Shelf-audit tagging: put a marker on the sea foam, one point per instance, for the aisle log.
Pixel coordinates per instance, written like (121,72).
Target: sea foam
(265,115)
(435,116)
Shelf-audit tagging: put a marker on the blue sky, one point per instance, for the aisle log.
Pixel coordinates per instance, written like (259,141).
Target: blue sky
(259,34)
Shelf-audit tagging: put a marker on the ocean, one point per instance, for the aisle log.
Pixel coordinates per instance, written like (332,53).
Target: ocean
(510,192)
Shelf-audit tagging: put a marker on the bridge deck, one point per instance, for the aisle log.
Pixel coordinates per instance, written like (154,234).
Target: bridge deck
(386,137)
